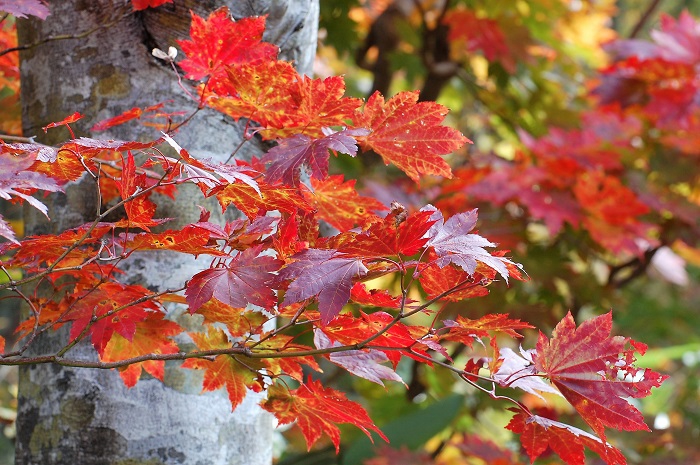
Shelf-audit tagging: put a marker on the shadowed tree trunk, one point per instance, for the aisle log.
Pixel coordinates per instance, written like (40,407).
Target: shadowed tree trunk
(80,416)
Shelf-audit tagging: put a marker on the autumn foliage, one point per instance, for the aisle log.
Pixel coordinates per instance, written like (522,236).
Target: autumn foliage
(275,279)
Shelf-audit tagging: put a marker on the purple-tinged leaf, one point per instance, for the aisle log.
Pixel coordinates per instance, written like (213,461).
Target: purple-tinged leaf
(288,157)
(6,231)
(245,280)
(366,364)
(321,273)
(13,175)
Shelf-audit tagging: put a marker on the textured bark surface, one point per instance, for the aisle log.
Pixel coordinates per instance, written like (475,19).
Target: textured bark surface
(78,416)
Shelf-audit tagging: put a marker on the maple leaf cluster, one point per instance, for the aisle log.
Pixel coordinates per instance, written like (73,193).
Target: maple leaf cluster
(273,263)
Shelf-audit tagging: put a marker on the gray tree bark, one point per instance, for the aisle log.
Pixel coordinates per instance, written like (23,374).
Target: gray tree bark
(79,416)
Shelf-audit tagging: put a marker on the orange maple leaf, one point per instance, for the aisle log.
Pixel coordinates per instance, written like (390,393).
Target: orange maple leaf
(409,133)
(152,336)
(612,212)
(339,204)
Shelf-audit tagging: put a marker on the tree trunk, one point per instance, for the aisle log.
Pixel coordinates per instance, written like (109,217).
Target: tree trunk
(79,416)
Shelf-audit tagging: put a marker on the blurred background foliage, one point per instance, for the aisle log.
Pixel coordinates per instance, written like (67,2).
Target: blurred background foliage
(584,165)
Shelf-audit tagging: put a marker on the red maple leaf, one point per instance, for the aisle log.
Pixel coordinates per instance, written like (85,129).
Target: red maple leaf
(287,241)
(595,372)
(477,33)
(451,282)
(64,122)
(318,104)
(291,154)
(315,410)
(140,209)
(613,212)
(143,4)
(244,280)
(409,134)
(347,329)
(394,235)
(219,41)
(539,433)
(259,91)
(339,204)
(465,330)
(36,250)
(322,273)
(251,202)
(134,113)
(284,103)
(374,297)
(191,240)
(288,366)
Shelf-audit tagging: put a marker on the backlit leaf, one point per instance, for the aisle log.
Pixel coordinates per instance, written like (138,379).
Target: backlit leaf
(251,203)
(537,434)
(315,410)
(409,134)
(219,41)
(465,330)
(242,281)
(224,370)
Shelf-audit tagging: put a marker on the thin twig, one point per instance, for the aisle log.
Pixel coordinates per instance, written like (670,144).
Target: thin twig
(644,18)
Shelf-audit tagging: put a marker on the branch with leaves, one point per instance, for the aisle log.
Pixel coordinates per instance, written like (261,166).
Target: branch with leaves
(274,282)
